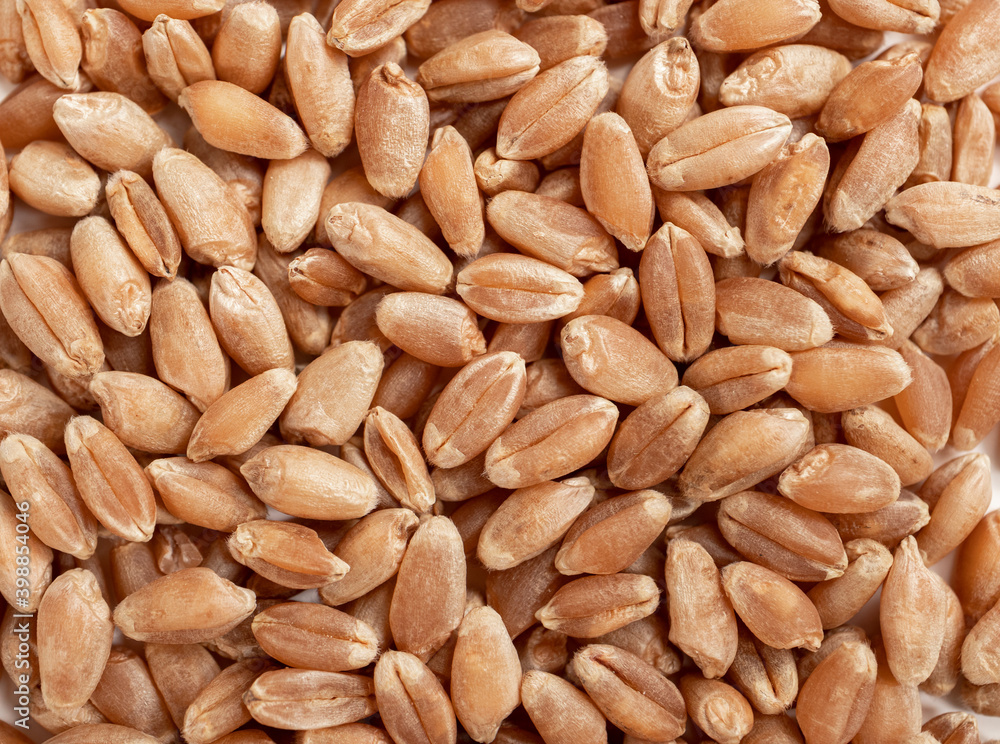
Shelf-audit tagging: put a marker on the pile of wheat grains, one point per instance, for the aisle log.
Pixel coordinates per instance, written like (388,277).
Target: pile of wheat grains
(441,386)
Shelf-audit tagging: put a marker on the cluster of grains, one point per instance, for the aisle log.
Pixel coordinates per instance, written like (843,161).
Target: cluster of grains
(592,407)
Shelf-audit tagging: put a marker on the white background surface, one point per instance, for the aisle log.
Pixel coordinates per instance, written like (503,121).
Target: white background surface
(176,122)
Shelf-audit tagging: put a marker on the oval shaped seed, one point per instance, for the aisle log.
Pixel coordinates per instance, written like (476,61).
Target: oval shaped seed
(300,699)
(853,196)
(373,548)
(222,236)
(887,525)
(204,494)
(553,231)
(405,384)
(868,96)
(964,56)
(958,494)
(717,149)
(52,41)
(925,406)
(423,617)
(596,347)
(633,695)
(286,553)
(594,605)
(797,543)
(32,409)
(880,260)
(742,450)
(110,131)
(143,412)
(180,673)
(702,621)
(234,119)
(696,214)
(773,608)
(531,520)
(14,579)
(794,80)
(552,441)
(175,55)
(411,701)
(26,116)
(389,98)
(794,182)
(735,378)
(485,674)
(186,350)
(947,214)
(975,370)
(322,277)
(448,185)
(517,289)
(143,222)
(559,38)
(58,516)
(218,708)
(308,483)
(839,599)
(127,694)
(395,457)
(291,198)
(474,409)
(248,321)
(320,85)
(767,676)
(724,28)
(975,578)
(971,271)
(41,301)
(387,248)
(358,28)
(675,278)
(247,47)
(552,108)
(956,324)
(841,479)
(237,420)
(717,708)
(975,133)
(484,66)
(873,430)
(836,697)
(111,482)
(756,311)
(659,91)
(979,654)
(613,180)
(910,592)
(70,665)
(855,311)
(333,394)
(820,383)
(193,605)
(611,536)
(560,712)
(437,330)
